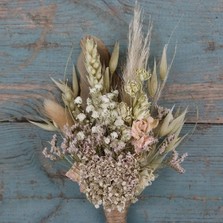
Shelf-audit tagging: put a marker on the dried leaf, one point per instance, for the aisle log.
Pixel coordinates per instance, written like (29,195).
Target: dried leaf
(68,95)
(164,129)
(59,115)
(83,83)
(61,85)
(107,79)
(114,58)
(163,64)
(177,122)
(173,145)
(153,82)
(75,85)
(47,126)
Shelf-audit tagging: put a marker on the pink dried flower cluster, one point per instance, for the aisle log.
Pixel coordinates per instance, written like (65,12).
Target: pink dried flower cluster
(176,160)
(166,142)
(55,152)
(85,140)
(142,133)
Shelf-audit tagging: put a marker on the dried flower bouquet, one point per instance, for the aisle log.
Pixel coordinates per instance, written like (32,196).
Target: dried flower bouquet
(115,135)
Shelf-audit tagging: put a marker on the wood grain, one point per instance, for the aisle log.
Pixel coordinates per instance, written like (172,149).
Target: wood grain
(35,40)
(37,190)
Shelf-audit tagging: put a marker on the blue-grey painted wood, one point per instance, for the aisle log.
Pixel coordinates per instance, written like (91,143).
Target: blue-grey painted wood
(33,189)
(35,41)
(36,38)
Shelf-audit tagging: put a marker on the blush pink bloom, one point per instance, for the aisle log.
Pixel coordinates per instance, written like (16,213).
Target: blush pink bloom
(143,127)
(140,132)
(143,142)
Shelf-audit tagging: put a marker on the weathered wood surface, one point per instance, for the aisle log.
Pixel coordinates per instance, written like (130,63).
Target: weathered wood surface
(33,189)
(36,38)
(35,41)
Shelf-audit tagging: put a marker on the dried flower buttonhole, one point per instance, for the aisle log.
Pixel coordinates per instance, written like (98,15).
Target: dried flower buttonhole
(115,135)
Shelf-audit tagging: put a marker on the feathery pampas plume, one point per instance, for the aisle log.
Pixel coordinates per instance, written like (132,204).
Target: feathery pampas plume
(138,48)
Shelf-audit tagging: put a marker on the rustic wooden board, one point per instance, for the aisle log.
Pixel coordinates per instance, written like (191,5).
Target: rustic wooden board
(35,40)
(37,191)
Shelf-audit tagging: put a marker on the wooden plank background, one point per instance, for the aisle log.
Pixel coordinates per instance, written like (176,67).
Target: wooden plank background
(35,40)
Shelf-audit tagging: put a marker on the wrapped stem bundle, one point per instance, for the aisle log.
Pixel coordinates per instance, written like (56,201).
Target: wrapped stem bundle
(115,216)
(115,135)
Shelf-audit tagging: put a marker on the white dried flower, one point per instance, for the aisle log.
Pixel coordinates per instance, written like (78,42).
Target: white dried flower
(110,95)
(126,135)
(132,87)
(105,113)
(94,129)
(95,114)
(107,140)
(120,208)
(93,90)
(78,100)
(104,105)
(114,114)
(105,99)
(98,87)
(121,145)
(143,74)
(112,105)
(114,135)
(119,122)
(80,135)
(81,117)
(124,111)
(97,129)
(90,108)
(89,101)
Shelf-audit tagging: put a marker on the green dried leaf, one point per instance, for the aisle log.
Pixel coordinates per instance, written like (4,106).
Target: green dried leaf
(164,129)
(173,145)
(61,85)
(48,126)
(153,82)
(177,122)
(163,64)
(75,84)
(114,58)
(107,79)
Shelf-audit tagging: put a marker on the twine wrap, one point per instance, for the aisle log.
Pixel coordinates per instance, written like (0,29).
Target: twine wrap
(115,216)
